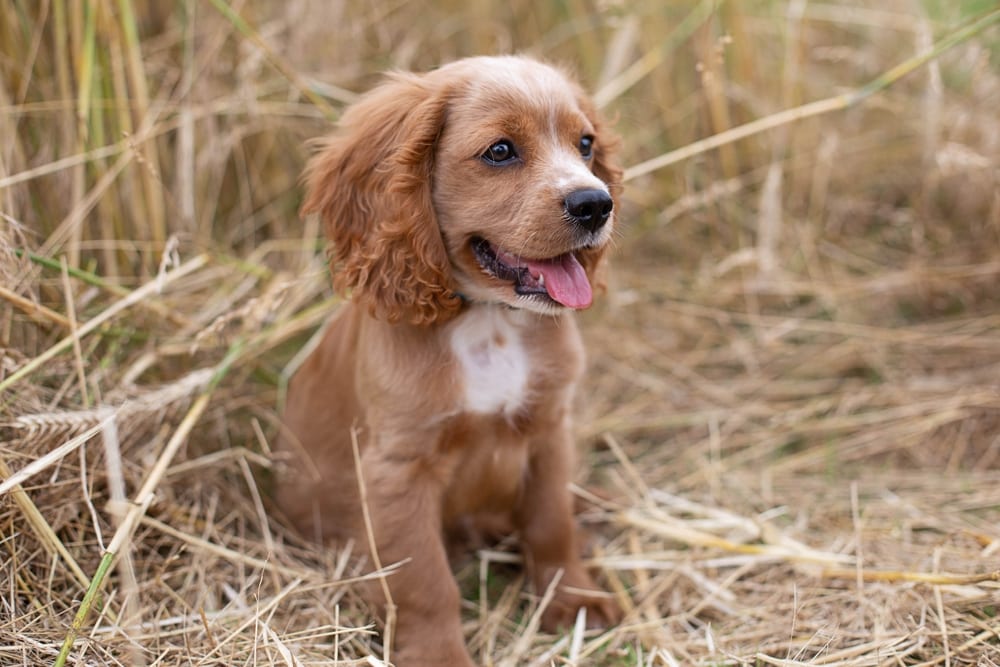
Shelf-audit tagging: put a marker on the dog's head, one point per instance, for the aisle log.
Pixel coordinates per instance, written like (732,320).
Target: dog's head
(490,179)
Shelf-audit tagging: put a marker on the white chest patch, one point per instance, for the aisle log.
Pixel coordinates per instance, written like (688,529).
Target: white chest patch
(494,364)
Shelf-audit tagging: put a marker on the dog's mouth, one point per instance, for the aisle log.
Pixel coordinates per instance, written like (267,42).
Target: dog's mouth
(561,279)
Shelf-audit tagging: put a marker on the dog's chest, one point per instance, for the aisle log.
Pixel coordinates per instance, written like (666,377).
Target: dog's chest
(493,363)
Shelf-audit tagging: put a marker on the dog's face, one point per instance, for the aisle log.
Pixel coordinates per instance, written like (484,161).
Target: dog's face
(520,188)
(487,180)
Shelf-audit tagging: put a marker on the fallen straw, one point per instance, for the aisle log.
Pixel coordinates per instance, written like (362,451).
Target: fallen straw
(14,480)
(143,499)
(674,529)
(152,287)
(49,540)
(932,578)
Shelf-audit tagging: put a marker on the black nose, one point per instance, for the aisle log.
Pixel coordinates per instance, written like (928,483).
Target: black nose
(589,208)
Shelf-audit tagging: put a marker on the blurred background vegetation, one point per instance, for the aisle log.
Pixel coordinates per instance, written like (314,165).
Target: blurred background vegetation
(129,122)
(813,304)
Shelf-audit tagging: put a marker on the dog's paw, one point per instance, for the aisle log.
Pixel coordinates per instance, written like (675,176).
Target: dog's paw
(602,611)
(575,591)
(431,655)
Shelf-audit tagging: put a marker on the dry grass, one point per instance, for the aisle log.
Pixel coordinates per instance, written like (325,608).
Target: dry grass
(792,419)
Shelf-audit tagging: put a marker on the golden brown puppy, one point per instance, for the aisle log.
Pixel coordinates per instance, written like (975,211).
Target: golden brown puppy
(468,210)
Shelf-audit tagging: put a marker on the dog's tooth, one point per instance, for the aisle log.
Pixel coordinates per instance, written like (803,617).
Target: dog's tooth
(541,280)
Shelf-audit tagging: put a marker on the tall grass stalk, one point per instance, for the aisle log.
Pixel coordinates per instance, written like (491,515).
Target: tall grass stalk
(279,63)
(141,107)
(818,108)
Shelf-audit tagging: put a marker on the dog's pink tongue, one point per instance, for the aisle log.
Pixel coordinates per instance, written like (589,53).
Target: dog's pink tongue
(565,280)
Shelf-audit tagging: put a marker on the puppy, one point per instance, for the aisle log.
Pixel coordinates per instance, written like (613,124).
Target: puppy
(468,209)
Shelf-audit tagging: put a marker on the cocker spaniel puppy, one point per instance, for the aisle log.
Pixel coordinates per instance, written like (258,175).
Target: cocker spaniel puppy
(468,209)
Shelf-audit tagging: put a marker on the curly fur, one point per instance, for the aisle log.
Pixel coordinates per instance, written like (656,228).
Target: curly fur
(370,183)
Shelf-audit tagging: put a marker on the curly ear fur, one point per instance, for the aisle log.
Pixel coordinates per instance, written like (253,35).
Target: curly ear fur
(370,182)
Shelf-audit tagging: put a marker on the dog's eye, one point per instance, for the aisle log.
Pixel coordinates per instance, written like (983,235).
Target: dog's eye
(586,146)
(501,152)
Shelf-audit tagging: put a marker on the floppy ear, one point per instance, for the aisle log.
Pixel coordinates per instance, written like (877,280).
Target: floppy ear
(370,182)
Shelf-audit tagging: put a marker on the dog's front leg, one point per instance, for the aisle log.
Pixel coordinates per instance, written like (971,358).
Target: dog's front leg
(404,498)
(549,541)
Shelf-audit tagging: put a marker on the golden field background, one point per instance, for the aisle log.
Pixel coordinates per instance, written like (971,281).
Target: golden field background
(792,416)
